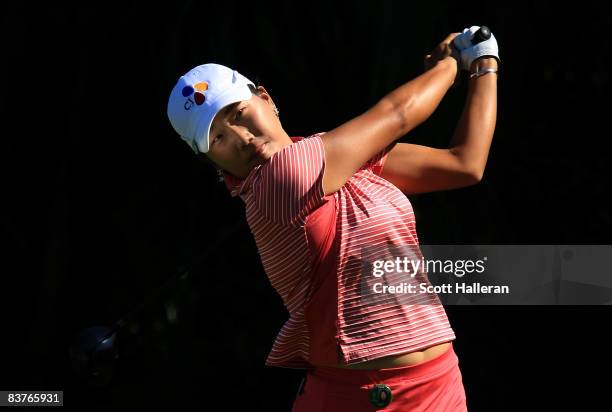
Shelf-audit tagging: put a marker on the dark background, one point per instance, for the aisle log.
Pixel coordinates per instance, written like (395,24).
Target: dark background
(103,204)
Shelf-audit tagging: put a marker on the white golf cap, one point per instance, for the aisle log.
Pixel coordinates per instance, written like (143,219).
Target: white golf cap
(199,95)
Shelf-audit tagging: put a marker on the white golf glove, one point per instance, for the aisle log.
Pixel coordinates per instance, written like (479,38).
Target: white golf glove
(470,52)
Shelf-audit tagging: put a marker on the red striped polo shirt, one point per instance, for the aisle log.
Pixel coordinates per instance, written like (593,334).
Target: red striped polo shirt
(316,251)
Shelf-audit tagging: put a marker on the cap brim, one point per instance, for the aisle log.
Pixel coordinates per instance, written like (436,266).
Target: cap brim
(233,95)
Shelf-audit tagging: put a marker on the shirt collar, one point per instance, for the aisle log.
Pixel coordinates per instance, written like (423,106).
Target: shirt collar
(238,186)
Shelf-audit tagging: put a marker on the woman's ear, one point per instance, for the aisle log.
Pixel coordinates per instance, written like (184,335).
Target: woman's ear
(261,90)
(264,95)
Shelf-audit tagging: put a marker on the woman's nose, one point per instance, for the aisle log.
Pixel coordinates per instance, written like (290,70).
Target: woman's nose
(244,137)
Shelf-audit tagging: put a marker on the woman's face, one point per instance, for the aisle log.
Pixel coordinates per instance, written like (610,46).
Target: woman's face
(246,134)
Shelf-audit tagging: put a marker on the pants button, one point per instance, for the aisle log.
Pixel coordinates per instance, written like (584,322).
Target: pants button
(380,395)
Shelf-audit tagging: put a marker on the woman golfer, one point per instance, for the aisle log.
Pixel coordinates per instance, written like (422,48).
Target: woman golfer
(326,209)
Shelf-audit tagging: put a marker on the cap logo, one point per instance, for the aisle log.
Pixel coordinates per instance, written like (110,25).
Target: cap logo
(197,90)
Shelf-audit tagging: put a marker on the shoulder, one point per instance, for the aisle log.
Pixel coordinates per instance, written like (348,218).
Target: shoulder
(290,183)
(303,152)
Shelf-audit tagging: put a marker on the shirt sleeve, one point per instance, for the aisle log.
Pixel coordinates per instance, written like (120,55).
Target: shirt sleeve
(291,183)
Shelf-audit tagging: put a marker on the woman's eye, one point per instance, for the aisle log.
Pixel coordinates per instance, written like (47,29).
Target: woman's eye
(240,112)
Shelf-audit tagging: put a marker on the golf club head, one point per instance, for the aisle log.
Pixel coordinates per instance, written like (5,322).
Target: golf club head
(94,354)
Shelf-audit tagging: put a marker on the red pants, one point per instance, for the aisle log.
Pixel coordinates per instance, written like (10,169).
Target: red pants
(434,385)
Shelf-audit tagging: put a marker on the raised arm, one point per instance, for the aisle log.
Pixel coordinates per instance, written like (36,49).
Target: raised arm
(417,169)
(350,145)
(421,169)
(472,138)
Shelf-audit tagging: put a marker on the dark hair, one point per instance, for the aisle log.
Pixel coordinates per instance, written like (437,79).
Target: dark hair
(254,90)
